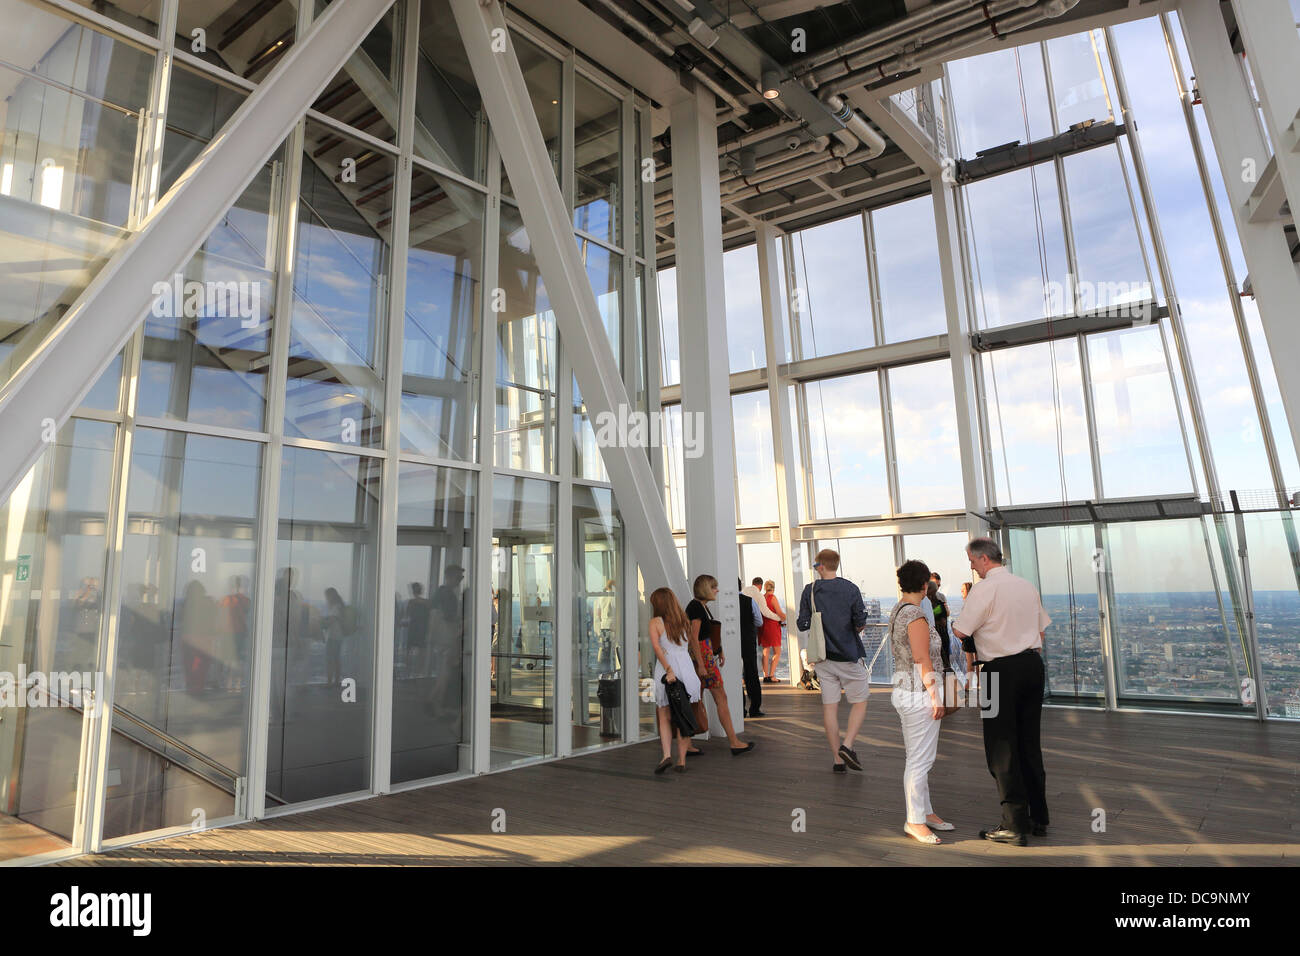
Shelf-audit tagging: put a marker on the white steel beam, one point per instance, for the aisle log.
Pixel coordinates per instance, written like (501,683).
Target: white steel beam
(51,383)
(1230,115)
(778,400)
(1273,49)
(962,358)
(702,331)
(514,123)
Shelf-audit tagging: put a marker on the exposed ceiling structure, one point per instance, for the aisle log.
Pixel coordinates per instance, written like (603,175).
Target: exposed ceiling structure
(828,107)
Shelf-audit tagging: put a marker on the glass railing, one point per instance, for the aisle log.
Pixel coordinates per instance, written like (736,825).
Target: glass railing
(1170,608)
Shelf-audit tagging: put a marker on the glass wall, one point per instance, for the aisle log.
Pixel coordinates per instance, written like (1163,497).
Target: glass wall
(597,643)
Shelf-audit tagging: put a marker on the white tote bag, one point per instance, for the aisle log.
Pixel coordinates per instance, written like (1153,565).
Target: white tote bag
(816,645)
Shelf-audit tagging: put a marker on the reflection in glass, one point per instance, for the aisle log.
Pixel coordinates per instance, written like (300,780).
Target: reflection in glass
(925,437)
(1013,259)
(523,558)
(206,345)
(1139,436)
(544,78)
(246,42)
(598,619)
(450,124)
(52,529)
(434,643)
(340,293)
(598,158)
(440,355)
(846,447)
(755,459)
(1037,423)
(363,95)
(830,304)
(185,640)
(526,426)
(907,265)
(322,641)
(69,142)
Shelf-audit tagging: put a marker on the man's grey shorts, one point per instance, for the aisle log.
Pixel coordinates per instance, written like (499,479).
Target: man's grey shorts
(852,678)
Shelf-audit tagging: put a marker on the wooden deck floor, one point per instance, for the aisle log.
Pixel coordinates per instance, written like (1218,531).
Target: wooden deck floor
(1175,790)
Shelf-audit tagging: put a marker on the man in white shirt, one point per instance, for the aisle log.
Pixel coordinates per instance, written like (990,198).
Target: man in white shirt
(1005,616)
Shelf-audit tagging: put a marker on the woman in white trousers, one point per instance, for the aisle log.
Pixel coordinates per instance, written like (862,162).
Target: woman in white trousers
(918,666)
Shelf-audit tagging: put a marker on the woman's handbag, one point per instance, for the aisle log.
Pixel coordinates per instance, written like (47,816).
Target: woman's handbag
(816,643)
(680,711)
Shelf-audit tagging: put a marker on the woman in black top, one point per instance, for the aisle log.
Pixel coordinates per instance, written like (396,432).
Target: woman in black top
(706,647)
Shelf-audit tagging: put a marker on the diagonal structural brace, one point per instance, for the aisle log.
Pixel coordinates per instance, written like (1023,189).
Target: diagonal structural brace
(50,385)
(514,123)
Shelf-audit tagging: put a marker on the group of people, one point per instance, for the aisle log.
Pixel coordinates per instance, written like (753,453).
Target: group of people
(996,640)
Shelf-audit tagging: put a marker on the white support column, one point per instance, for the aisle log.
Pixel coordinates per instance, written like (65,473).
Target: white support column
(514,123)
(706,395)
(962,358)
(1230,115)
(51,382)
(408,23)
(768,240)
(1268,33)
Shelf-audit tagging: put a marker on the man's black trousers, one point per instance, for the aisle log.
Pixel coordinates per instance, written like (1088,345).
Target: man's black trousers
(753,686)
(1012,745)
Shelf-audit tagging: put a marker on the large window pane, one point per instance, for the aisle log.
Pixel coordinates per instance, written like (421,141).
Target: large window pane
(670,365)
(598,617)
(846,446)
(185,644)
(746,345)
(675,466)
(1139,437)
(830,303)
(1272,540)
(1107,247)
(598,161)
(340,293)
(1081,88)
(1061,562)
(996,95)
(755,459)
(51,607)
(440,354)
(450,124)
(434,644)
(322,642)
(364,93)
(523,559)
(907,263)
(69,135)
(869,563)
(1017,246)
(1170,631)
(1038,425)
(208,335)
(526,426)
(544,78)
(925,437)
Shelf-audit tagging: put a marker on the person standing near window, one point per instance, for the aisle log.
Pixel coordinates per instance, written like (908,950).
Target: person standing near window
(774,620)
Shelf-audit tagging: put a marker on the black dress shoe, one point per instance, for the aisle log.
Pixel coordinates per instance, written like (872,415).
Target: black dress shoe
(1000,835)
(757,713)
(839,768)
(1039,829)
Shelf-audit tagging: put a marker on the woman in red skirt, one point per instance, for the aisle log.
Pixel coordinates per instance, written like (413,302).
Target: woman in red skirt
(770,638)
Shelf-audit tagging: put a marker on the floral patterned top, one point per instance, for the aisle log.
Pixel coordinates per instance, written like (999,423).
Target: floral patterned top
(906,674)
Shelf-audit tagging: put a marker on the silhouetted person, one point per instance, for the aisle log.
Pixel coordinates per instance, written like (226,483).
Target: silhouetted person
(418,611)
(338,625)
(198,629)
(448,636)
(236,612)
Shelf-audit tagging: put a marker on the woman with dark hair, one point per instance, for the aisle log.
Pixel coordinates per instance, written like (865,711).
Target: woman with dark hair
(706,647)
(918,670)
(668,630)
